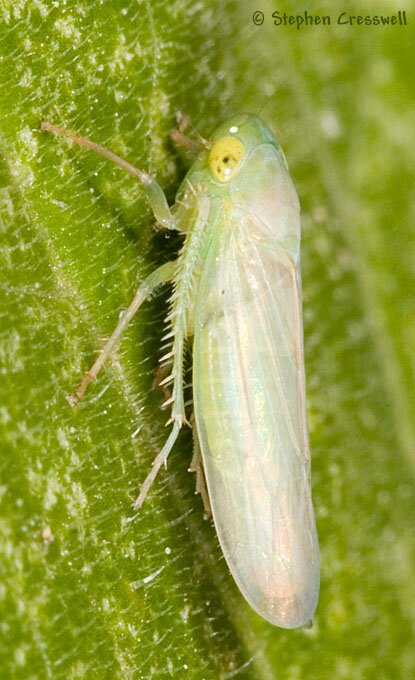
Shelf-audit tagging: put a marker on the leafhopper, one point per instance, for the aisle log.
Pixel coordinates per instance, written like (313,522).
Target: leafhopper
(237,300)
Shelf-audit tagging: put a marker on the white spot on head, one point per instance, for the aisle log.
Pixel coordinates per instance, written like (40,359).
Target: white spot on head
(167,550)
(233,129)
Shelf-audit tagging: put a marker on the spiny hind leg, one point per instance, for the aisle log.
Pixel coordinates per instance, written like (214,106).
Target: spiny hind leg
(196,465)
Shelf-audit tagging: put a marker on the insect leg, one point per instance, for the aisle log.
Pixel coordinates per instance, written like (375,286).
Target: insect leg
(159,460)
(196,465)
(155,193)
(161,275)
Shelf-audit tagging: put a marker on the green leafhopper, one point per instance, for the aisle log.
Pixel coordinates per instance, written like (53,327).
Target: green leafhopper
(237,299)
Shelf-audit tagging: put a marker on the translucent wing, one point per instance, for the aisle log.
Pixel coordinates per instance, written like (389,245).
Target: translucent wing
(250,412)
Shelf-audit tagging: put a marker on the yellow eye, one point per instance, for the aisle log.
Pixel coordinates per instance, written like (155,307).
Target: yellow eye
(225,157)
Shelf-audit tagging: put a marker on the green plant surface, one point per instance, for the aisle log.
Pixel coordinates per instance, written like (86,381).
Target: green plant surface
(88,587)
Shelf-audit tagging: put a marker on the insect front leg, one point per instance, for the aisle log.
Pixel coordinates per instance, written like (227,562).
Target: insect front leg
(162,275)
(155,193)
